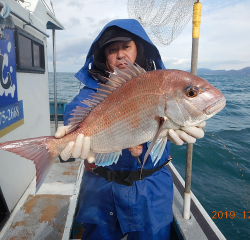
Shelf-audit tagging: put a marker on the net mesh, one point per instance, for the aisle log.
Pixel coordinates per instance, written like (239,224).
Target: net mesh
(163,20)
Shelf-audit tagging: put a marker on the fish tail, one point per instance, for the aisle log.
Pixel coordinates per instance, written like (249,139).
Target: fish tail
(36,149)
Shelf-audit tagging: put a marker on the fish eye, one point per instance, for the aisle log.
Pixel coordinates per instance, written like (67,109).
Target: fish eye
(192,91)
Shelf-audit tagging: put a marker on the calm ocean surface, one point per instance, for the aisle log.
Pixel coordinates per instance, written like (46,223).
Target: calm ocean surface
(216,179)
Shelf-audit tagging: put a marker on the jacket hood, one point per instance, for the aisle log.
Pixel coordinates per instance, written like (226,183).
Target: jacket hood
(134,27)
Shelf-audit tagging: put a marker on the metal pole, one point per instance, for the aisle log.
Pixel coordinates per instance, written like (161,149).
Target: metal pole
(54,69)
(194,59)
(188,175)
(189,154)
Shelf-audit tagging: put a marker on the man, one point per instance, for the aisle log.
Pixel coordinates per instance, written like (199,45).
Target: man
(111,209)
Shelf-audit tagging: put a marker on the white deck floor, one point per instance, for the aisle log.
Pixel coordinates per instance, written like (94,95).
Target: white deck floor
(49,214)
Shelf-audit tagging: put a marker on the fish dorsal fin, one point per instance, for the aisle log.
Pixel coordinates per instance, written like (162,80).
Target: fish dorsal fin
(115,81)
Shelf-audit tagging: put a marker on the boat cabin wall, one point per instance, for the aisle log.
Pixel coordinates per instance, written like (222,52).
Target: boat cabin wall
(16,173)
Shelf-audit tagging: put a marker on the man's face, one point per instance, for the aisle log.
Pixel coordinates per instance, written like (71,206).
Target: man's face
(120,50)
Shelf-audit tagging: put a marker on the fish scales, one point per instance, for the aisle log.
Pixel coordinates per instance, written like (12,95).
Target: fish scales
(128,117)
(118,121)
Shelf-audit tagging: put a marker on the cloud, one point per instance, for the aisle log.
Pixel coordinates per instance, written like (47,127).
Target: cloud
(72,47)
(73,22)
(175,63)
(223,43)
(185,64)
(224,37)
(71,64)
(94,26)
(90,19)
(225,31)
(70,54)
(78,5)
(223,64)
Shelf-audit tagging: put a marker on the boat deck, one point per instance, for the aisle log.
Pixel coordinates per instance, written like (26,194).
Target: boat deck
(200,225)
(50,213)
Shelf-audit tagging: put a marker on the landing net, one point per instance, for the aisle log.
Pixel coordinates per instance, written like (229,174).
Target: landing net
(163,20)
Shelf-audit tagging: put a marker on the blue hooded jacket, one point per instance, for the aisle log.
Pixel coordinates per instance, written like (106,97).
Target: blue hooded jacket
(145,206)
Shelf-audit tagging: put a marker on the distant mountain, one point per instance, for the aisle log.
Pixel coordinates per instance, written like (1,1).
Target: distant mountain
(243,72)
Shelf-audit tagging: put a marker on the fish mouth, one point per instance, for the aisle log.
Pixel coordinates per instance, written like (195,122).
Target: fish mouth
(216,107)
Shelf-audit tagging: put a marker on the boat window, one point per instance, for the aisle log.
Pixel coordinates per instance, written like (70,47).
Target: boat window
(37,55)
(25,51)
(29,52)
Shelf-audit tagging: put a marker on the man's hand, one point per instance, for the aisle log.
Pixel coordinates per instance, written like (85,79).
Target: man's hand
(78,149)
(188,134)
(81,147)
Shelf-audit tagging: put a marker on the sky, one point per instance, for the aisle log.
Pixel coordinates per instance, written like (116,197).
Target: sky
(223,44)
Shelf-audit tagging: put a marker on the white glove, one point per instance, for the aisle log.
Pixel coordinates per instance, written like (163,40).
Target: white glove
(186,134)
(78,149)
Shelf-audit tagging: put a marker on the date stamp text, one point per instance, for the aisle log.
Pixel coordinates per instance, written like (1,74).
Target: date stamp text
(230,215)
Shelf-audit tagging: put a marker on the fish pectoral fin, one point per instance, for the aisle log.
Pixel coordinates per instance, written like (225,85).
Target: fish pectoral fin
(162,121)
(105,159)
(158,148)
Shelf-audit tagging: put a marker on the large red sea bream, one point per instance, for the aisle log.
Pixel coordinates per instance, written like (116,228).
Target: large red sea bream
(132,108)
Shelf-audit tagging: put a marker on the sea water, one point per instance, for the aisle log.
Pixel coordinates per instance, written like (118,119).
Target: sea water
(217,179)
